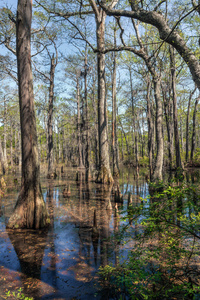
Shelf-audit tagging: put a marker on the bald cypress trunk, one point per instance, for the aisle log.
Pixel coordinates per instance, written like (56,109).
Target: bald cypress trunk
(168,110)
(5,134)
(30,210)
(114,115)
(157,173)
(150,128)
(87,134)
(104,173)
(50,120)
(194,129)
(79,122)
(2,160)
(175,114)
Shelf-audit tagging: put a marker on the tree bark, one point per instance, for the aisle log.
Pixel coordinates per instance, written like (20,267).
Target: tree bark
(175,114)
(30,210)
(87,146)
(5,135)
(104,172)
(50,120)
(114,115)
(187,126)
(134,122)
(96,148)
(124,133)
(11,143)
(168,118)
(194,129)
(150,129)
(79,122)
(19,150)
(157,173)
(2,159)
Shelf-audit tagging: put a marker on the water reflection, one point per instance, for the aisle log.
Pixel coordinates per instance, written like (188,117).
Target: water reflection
(63,261)
(29,247)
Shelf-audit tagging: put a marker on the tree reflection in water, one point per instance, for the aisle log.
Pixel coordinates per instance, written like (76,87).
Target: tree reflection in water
(29,246)
(63,261)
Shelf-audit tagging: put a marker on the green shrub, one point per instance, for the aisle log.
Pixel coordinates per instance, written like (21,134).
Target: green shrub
(144,161)
(162,262)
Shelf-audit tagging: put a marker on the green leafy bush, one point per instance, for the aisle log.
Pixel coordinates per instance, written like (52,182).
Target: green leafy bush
(196,158)
(164,254)
(144,161)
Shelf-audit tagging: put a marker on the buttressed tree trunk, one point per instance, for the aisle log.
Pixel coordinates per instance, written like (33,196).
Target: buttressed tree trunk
(30,210)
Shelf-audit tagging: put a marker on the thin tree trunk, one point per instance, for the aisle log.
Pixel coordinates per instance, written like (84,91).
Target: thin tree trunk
(79,122)
(136,145)
(114,115)
(134,121)
(194,129)
(127,145)
(59,141)
(87,146)
(19,152)
(2,159)
(30,210)
(187,127)
(5,135)
(157,173)
(39,147)
(11,144)
(175,114)
(122,145)
(95,126)
(168,119)
(150,129)
(50,120)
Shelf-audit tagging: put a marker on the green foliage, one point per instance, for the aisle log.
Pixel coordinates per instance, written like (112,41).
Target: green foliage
(162,261)
(17,295)
(196,158)
(144,161)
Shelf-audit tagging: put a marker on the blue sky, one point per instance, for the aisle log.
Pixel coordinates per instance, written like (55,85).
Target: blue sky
(9,3)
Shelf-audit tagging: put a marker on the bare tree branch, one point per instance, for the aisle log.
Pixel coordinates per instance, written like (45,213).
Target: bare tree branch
(166,33)
(41,73)
(65,15)
(159,4)
(82,35)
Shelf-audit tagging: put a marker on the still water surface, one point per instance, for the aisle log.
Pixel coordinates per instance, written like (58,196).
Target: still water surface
(62,262)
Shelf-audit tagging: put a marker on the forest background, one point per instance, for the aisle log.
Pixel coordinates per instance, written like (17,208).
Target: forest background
(107,89)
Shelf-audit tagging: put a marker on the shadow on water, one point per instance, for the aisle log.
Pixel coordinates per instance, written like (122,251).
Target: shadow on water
(29,247)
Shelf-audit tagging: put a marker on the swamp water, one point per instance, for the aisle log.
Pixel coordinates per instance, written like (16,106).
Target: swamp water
(62,262)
